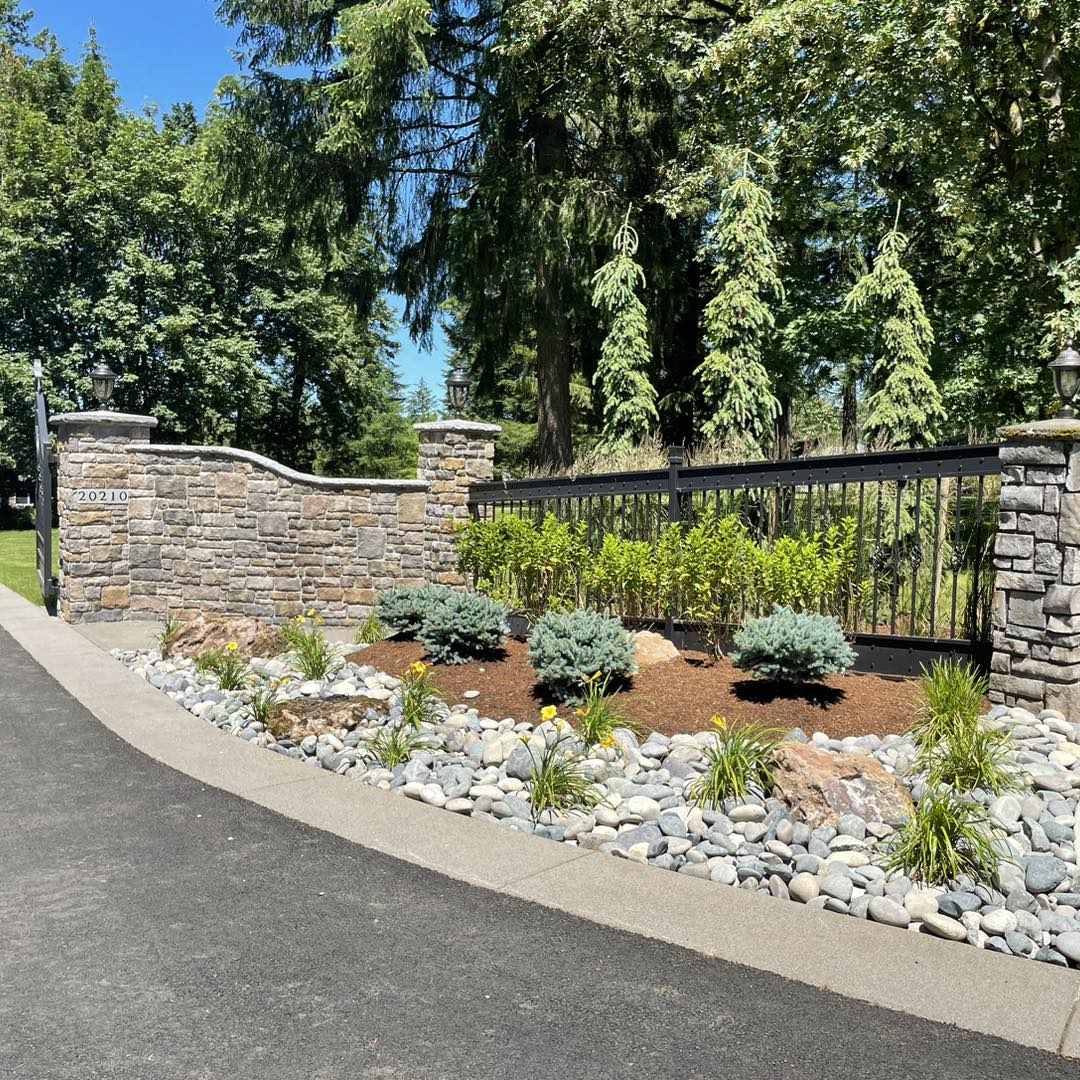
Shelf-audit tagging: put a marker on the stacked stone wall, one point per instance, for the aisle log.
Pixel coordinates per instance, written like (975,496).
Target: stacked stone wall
(220,531)
(1036,659)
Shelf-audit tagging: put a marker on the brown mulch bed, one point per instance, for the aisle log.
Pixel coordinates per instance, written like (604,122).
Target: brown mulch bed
(677,695)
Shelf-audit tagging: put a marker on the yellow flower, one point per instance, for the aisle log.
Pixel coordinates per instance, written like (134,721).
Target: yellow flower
(232,646)
(285,680)
(300,619)
(311,611)
(417,667)
(549,712)
(319,620)
(607,742)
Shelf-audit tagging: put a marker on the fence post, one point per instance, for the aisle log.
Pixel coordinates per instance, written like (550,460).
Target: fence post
(676,456)
(453,455)
(1036,659)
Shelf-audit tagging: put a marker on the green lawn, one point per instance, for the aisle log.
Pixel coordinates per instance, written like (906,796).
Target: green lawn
(17,569)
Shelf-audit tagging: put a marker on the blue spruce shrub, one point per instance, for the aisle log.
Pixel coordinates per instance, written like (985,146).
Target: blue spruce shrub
(792,648)
(458,626)
(404,609)
(568,648)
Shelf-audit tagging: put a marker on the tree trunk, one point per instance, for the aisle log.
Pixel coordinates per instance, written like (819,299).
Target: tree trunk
(782,429)
(552,325)
(849,433)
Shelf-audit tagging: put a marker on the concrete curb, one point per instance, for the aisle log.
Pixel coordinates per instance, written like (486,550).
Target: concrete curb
(1027,1003)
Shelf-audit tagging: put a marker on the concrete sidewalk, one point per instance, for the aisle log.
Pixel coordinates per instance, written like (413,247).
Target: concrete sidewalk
(154,926)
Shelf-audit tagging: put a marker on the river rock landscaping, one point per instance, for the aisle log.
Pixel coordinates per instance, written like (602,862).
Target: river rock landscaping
(823,844)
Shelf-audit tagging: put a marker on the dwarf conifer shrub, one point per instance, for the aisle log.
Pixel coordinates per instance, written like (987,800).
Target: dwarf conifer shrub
(459,626)
(567,649)
(403,609)
(785,646)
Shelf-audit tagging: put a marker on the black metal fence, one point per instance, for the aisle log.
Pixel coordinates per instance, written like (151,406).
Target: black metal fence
(43,495)
(923,521)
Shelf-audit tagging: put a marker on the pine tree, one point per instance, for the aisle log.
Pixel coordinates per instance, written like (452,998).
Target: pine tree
(738,320)
(904,406)
(629,397)
(421,406)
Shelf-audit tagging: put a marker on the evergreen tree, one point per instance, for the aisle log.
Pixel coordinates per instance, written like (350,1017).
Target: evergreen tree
(622,376)
(904,405)
(738,320)
(421,406)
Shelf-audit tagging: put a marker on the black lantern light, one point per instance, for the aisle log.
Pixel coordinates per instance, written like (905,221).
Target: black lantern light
(103,378)
(457,390)
(1066,369)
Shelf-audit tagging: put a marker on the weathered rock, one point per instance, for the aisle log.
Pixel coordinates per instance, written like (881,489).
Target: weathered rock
(253,638)
(822,787)
(651,648)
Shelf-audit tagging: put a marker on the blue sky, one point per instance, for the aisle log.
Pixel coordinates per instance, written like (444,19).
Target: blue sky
(163,51)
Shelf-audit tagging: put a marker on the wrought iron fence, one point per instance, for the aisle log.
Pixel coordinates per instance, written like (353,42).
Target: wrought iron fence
(921,583)
(43,496)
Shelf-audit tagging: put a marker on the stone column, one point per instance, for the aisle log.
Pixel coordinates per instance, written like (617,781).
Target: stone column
(1036,660)
(453,455)
(92,488)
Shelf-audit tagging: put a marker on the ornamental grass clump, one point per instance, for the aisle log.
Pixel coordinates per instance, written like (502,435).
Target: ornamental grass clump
(946,838)
(419,697)
(738,763)
(395,745)
(264,699)
(567,649)
(403,609)
(169,629)
(597,717)
(460,626)
(226,665)
(559,782)
(789,647)
(953,691)
(370,631)
(313,654)
(972,756)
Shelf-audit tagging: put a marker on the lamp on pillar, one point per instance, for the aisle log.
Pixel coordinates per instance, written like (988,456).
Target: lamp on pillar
(1066,369)
(457,390)
(104,379)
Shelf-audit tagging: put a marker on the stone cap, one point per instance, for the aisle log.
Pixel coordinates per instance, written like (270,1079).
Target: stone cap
(466,427)
(1042,431)
(103,417)
(331,483)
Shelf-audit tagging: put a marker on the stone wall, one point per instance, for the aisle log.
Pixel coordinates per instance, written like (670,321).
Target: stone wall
(226,532)
(1036,659)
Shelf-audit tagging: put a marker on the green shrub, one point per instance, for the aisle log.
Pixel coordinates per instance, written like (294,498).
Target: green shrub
(460,626)
(790,647)
(370,630)
(567,649)
(953,692)
(597,717)
(403,609)
(264,699)
(314,655)
(559,783)
(738,763)
(944,839)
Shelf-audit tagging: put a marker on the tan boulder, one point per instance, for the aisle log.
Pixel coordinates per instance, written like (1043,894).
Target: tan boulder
(312,716)
(201,634)
(821,787)
(651,648)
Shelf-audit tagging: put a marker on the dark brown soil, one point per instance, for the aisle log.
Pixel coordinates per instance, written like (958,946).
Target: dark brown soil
(678,695)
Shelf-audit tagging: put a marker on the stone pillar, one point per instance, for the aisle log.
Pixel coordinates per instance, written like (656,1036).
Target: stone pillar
(453,455)
(1036,659)
(92,490)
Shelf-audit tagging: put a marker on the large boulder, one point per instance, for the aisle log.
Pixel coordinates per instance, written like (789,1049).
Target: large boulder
(821,787)
(199,635)
(651,648)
